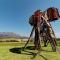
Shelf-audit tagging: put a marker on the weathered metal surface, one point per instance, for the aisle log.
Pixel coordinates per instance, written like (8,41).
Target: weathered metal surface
(42,27)
(34,19)
(52,14)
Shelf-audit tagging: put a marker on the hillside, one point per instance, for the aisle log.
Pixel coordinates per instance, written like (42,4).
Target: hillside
(11,34)
(10,37)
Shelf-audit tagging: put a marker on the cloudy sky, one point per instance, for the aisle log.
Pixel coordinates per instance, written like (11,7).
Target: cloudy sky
(14,15)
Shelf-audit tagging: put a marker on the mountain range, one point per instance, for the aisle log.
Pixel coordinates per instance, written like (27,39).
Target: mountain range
(11,34)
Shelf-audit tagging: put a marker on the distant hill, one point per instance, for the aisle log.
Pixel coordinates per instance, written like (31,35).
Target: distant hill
(14,35)
(10,34)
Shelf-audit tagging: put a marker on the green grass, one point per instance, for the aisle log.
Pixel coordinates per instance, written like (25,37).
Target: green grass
(46,54)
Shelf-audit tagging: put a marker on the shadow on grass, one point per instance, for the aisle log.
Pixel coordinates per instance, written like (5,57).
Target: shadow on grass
(46,51)
(19,51)
(43,57)
(15,50)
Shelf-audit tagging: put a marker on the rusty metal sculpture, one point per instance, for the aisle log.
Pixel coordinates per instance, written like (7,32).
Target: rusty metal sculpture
(41,24)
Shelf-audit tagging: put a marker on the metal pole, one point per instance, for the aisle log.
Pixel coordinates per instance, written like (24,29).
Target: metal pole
(29,38)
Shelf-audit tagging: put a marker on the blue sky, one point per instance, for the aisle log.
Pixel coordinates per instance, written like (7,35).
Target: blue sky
(14,15)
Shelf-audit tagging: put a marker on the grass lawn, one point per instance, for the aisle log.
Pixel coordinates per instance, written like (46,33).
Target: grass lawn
(12,51)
